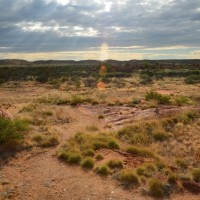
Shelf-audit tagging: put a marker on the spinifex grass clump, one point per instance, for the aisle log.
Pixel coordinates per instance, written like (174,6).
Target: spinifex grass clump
(12,133)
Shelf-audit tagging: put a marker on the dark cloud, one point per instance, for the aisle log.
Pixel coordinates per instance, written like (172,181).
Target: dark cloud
(42,26)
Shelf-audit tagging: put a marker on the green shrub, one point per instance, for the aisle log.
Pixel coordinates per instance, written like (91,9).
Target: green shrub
(181,163)
(99,157)
(102,170)
(172,179)
(50,141)
(87,163)
(181,100)
(193,79)
(89,152)
(12,132)
(160,136)
(112,144)
(47,113)
(137,151)
(161,99)
(115,164)
(74,158)
(128,177)
(140,171)
(196,175)
(37,138)
(156,188)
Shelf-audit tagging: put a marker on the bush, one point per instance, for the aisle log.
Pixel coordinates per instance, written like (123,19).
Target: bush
(160,136)
(50,141)
(161,99)
(102,170)
(181,163)
(87,163)
(89,152)
(112,144)
(156,188)
(101,117)
(99,157)
(193,79)
(11,132)
(172,179)
(74,158)
(115,164)
(37,138)
(140,152)
(128,177)
(196,175)
(181,100)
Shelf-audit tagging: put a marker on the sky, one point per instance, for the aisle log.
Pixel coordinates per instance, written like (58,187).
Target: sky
(99,29)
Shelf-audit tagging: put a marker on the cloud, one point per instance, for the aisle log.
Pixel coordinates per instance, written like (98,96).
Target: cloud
(132,26)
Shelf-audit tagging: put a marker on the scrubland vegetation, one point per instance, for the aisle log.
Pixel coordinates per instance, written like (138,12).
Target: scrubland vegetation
(136,125)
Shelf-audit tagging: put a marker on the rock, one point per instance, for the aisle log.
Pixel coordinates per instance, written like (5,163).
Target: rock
(4,114)
(191,187)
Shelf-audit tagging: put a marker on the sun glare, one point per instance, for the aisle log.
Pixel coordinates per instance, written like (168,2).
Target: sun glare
(104,51)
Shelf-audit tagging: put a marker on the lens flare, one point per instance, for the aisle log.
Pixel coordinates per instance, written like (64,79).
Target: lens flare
(104,51)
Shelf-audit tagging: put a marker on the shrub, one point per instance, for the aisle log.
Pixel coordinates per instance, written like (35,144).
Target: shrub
(37,138)
(140,152)
(160,136)
(11,132)
(50,141)
(99,157)
(156,188)
(112,144)
(172,179)
(181,163)
(181,100)
(161,99)
(92,128)
(101,116)
(196,175)
(87,163)
(128,177)
(74,158)
(193,79)
(89,152)
(140,171)
(47,113)
(115,164)
(102,170)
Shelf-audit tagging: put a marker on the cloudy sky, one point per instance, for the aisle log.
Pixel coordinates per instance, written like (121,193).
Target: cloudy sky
(99,29)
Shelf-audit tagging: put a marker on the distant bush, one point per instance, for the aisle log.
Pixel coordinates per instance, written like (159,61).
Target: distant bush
(145,79)
(50,141)
(139,151)
(196,175)
(181,163)
(12,132)
(161,99)
(181,100)
(115,164)
(99,157)
(88,163)
(193,79)
(102,170)
(160,136)
(128,177)
(89,152)
(70,157)
(42,78)
(156,188)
